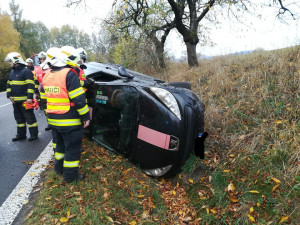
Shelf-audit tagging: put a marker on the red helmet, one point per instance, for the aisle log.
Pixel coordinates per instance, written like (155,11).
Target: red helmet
(33,105)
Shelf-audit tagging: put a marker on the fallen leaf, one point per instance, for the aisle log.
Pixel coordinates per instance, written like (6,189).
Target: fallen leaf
(275,187)
(64,219)
(226,171)
(278,121)
(25,202)
(254,192)
(284,218)
(141,196)
(109,219)
(276,180)
(174,192)
(251,210)
(132,222)
(77,193)
(231,187)
(21,190)
(105,195)
(233,199)
(72,216)
(191,181)
(251,218)
(29,215)
(213,211)
(258,204)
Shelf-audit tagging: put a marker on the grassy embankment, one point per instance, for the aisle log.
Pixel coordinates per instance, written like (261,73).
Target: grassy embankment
(251,170)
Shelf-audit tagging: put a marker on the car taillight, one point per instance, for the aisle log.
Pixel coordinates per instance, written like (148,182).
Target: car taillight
(174,143)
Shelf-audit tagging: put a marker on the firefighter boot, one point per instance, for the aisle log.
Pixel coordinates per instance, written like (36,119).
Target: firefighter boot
(58,166)
(33,133)
(18,138)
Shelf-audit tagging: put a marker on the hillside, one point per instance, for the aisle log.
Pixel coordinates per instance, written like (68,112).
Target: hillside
(251,170)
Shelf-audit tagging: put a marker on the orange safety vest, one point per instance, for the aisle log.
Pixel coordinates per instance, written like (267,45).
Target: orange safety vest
(54,83)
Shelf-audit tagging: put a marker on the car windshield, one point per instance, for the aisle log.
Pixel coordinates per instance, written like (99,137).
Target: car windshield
(114,117)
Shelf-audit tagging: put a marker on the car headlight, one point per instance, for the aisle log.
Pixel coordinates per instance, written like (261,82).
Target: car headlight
(168,99)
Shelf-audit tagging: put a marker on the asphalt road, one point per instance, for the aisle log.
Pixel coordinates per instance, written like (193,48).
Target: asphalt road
(15,157)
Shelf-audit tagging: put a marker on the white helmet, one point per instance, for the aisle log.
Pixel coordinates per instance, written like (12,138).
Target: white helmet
(52,58)
(15,58)
(82,53)
(29,60)
(42,55)
(70,56)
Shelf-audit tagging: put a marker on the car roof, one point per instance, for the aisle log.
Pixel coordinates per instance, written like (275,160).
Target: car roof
(111,70)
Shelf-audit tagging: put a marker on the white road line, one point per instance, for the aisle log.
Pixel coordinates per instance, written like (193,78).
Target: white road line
(5,104)
(14,202)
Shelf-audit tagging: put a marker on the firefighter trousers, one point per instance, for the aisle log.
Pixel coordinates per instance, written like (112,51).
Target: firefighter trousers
(23,116)
(67,153)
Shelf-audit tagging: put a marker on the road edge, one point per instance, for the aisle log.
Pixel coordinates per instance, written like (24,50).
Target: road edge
(19,197)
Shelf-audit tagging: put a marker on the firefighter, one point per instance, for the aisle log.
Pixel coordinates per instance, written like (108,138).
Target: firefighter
(42,57)
(82,66)
(20,88)
(67,113)
(44,67)
(30,66)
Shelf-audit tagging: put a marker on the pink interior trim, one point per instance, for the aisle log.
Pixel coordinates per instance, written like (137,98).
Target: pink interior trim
(153,137)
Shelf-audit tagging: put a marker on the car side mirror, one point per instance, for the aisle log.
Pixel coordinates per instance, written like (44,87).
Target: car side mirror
(123,73)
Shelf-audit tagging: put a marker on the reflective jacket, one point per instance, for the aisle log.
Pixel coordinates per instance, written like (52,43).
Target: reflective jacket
(20,84)
(65,99)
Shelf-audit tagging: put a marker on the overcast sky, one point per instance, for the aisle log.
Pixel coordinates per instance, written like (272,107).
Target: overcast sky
(268,33)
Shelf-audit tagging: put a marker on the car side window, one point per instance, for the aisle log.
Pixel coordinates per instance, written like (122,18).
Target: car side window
(115,117)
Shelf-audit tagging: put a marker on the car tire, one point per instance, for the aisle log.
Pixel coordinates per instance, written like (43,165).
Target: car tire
(186,85)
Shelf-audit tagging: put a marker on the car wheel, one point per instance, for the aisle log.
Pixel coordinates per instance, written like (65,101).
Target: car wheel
(186,85)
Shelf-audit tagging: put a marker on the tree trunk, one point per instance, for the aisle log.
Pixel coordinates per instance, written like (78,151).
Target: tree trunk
(191,54)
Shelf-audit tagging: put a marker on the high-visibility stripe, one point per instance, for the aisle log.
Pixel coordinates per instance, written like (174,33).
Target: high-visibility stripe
(58,155)
(58,107)
(71,163)
(58,100)
(21,125)
(65,122)
(81,82)
(30,90)
(54,145)
(83,110)
(18,82)
(20,98)
(29,81)
(76,92)
(8,90)
(43,95)
(32,125)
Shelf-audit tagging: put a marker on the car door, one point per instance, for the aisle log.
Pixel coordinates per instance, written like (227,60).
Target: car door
(115,117)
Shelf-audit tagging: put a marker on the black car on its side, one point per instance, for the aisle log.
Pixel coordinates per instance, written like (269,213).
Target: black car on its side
(155,124)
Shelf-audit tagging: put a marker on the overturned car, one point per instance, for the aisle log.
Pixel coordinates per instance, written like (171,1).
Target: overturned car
(155,124)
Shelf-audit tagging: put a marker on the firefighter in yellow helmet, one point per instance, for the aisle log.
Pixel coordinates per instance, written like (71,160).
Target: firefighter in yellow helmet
(67,113)
(20,89)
